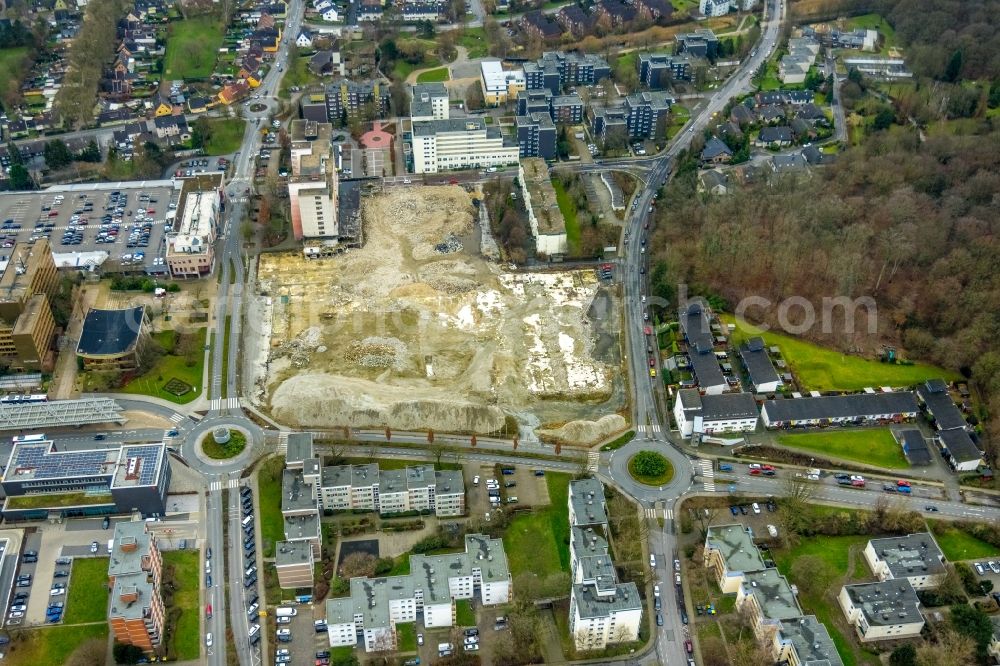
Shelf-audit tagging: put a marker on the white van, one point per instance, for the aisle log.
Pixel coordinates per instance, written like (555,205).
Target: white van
(254,629)
(247,520)
(286,611)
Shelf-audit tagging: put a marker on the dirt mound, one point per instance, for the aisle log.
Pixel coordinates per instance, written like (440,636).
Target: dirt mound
(323,400)
(586,433)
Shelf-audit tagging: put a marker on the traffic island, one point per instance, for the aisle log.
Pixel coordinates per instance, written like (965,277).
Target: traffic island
(223,443)
(650,468)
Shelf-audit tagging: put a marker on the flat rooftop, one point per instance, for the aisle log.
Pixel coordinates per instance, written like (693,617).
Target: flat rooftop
(302,527)
(773,593)
(886,602)
(296,494)
(300,447)
(34,461)
(25,260)
(132,543)
(291,553)
(911,555)
(196,229)
(140,465)
(736,548)
(591,605)
(587,499)
(811,641)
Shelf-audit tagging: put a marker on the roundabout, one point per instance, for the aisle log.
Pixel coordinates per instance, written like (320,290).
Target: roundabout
(223,443)
(205,453)
(257,107)
(650,468)
(670,483)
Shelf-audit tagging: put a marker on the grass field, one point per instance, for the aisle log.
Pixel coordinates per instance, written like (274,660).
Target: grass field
(536,542)
(821,369)
(169,367)
(184,644)
(433,75)
(88,582)
(873,446)
(958,545)
(51,645)
(272,525)
(568,209)
(464,615)
(406,637)
(9,61)
(191,47)
(298,74)
(835,553)
(474,39)
(226,137)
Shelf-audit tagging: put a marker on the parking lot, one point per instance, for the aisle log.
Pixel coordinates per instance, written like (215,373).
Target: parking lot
(523,485)
(124,222)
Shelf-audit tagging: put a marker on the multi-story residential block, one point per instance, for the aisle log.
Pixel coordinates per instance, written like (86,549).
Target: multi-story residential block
(377,605)
(805,641)
(658,70)
(731,554)
(915,557)
(610,124)
(500,85)
(460,143)
(587,505)
(701,43)
(698,414)
(350,487)
(647,114)
(191,248)
(538,100)
(883,610)
(767,599)
(26,323)
(711,8)
(40,480)
(429,101)
(414,488)
(346,99)
(136,614)
(556,70)
(566,108)
(294,563)
(544,216)
(536,135)
(313,185)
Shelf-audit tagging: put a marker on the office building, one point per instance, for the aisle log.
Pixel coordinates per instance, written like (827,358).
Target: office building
(294,564)
(40,479)
(346,99)
(377,605)
(27,286)
(914,557)
(647,114)
(113,340)
(544,217)
(500,85)
(536,135)
(697,414)
(313,184)
(429,101)
(884,610)
(136,614)
(658,71)
(557,70)
(191,248)
(460,143)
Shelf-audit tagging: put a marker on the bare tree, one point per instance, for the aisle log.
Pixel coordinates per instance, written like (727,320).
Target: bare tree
(951,649)
(705,517)
(472,441)
(90,653)
(357,564)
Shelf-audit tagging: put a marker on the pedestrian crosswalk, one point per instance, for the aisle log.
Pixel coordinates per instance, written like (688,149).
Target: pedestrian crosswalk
(648,429)
(283,442)
(593,460)
(217,485)
(708,471)
(651,513)
(218,404)
(177,418)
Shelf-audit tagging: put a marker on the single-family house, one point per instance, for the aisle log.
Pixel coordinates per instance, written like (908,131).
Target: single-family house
(774,137)
(716,152)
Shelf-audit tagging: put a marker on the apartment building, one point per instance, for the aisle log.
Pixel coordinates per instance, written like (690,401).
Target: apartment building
(294,563)
(377,605)
(536,135)
(701,43)
(346,99)
(460,143)
(414,488)
(805,641)
(856,408)
(191,248)
(429,101)
(767,599)
(500,85)
(300,508)
(544,216)
(313,184)
(698,414)
(136,614)
(27,286)
(646,114)
(557,70)
(914,557)
(883,610)
(659,70)
(566,108)
(731,554)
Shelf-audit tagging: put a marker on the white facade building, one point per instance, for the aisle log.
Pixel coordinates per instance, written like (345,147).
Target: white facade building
(500,85)
(429,101)
(696,414)
(711,8)
(884,610)
(312,187)
(914,557)
(460,143)
(415,488)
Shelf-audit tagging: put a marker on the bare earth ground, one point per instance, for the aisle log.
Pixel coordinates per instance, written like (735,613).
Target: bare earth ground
(416,330)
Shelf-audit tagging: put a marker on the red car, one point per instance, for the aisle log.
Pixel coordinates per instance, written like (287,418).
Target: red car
(769,468)
(652,363)
(208,611)
(903,484)
(689,646)
(755,472)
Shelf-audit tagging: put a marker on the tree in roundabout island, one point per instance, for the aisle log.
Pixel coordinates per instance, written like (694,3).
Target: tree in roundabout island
(651,468)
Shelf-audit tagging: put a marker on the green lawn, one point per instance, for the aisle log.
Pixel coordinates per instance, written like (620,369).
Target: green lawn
(225,350)
(568,209)
(464,615)
(192,45)
(537,542)
(237,442)
(403,69)
(168,367)
(872,446)
(88,583)
(835,552)
(958,545)
(474,39)
(658,480)
(406,637)
(298,74)
(821,369)
(226,136)
(433,75)
(184,644)
(51,645)
(57,499)
(10,60)
(272,525)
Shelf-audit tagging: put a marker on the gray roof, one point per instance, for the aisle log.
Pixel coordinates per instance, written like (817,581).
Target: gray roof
(774,594)
(569,99)
(432,127)
(911,555)
(774,134)
(422,96)
(137,584)
(131,544)
(340,611)
(715,147)
(300,447)
(589,604)
(706,368)
(690,398)
(856,405)
(792,162)
(886,602)
(735,546)
(302,527)
(934,394)
(960,445)
(757,362)
(600,570)
(587,541)
(587,498)
(355,476)
(695,326)
(728,406)
(535,118)
(289,553)
(811,641)
(296,494)
(448,482)
(914,446)
(488,555)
